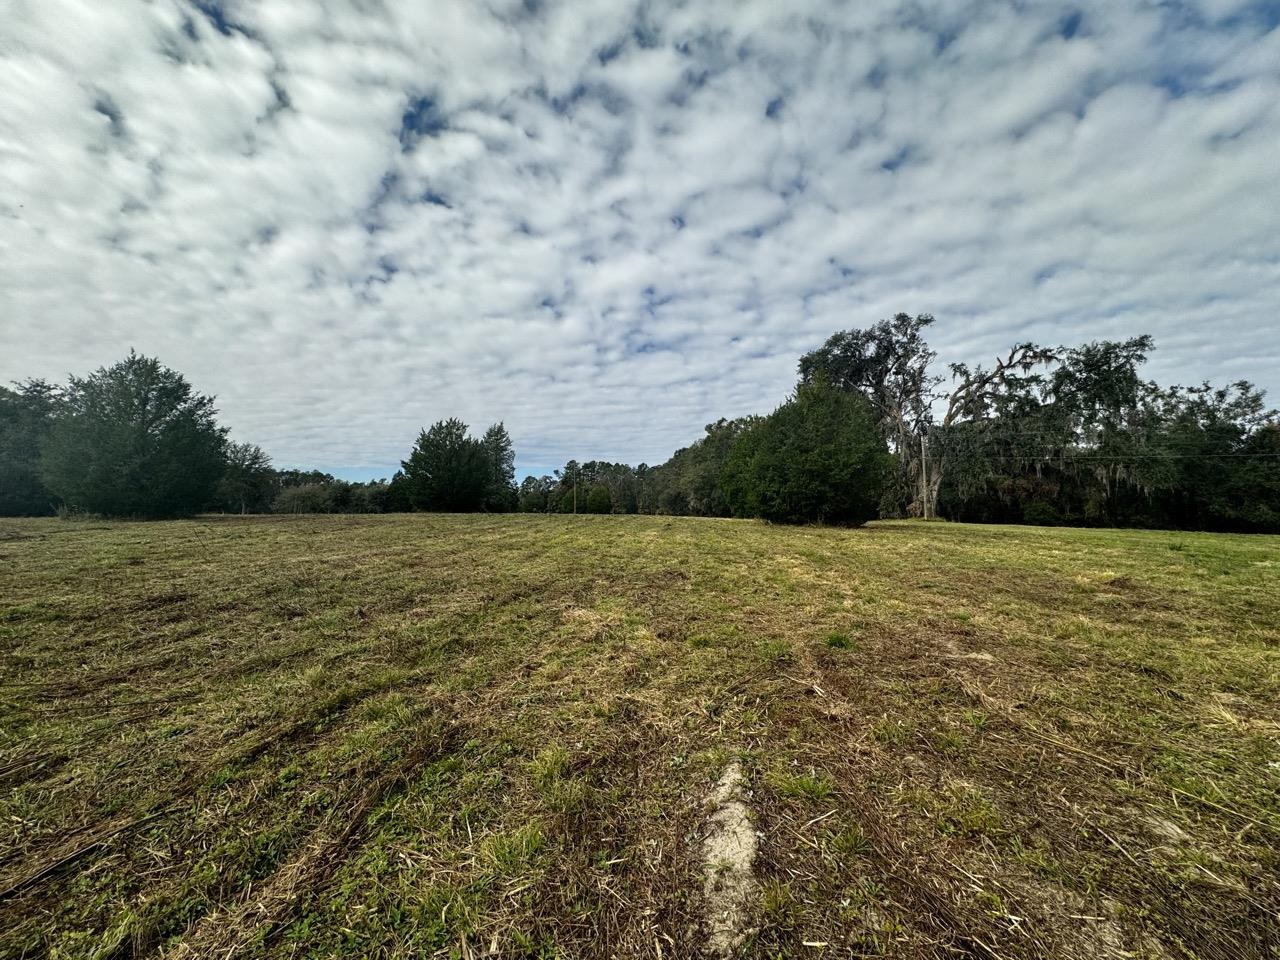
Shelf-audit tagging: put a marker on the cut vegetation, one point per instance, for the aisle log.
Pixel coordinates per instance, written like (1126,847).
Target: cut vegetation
(416,736)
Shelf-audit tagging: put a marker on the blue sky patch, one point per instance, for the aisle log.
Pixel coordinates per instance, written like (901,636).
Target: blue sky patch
(421,118)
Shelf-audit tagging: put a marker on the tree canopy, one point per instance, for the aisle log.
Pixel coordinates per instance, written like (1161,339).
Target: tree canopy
(248,483)
(500,492)
(26,417)
(450,471)
(134,440)
(1041,434)
(818,458)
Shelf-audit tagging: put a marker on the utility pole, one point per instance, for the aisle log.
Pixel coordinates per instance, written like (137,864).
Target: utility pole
(575,491)
(924,474)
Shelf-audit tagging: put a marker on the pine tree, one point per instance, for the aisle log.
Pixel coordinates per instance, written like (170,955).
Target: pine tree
(501,495)
(448,470)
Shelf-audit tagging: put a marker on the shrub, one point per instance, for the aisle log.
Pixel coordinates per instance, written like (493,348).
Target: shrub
(1041,513)
(307,498)
(599,500)
(818,458)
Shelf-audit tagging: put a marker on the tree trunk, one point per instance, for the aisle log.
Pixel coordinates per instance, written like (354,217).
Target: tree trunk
(927,482)
(931,495)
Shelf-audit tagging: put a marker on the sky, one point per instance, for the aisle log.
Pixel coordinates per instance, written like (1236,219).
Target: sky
(608,224)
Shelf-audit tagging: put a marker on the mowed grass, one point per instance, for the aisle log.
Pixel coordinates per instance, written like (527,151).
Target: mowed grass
(418,736)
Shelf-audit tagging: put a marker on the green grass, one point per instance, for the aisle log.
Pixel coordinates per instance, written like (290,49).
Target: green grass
(440,736)
(808,786)
(841,641)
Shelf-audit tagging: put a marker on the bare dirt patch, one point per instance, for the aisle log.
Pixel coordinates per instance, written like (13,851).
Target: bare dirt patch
(729,852)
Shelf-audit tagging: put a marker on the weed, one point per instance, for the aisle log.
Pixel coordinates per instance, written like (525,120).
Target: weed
(534,947)
(511,853)
(949,741)
(549,766)
(567,796)
(991,902)
(778,905)
(966,810)
(865,892)
(851,842)
(841,641)
(774,650)
(892,731)
(803,786)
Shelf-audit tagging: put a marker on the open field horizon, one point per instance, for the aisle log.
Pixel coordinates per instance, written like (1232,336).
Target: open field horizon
(432,735)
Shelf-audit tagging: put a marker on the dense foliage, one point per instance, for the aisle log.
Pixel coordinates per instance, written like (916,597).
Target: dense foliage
(1070,435)
(133,440)
(248,483)
(1048,435)
(450,471)
(26,416)
(1045,435)
(818,458)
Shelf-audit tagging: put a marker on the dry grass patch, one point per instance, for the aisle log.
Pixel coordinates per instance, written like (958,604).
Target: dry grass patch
(306,737)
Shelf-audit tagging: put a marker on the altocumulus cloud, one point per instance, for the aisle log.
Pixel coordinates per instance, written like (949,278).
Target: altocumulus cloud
(609,223)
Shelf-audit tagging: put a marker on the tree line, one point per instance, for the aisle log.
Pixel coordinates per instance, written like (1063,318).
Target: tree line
(818,458)
(1045,434)
(136,440)
(1053,434)
(1069,435)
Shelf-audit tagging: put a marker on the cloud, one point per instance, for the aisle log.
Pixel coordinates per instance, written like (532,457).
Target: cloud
(610,223)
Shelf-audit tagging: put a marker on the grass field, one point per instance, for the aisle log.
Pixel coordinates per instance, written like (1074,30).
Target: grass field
(496,736)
